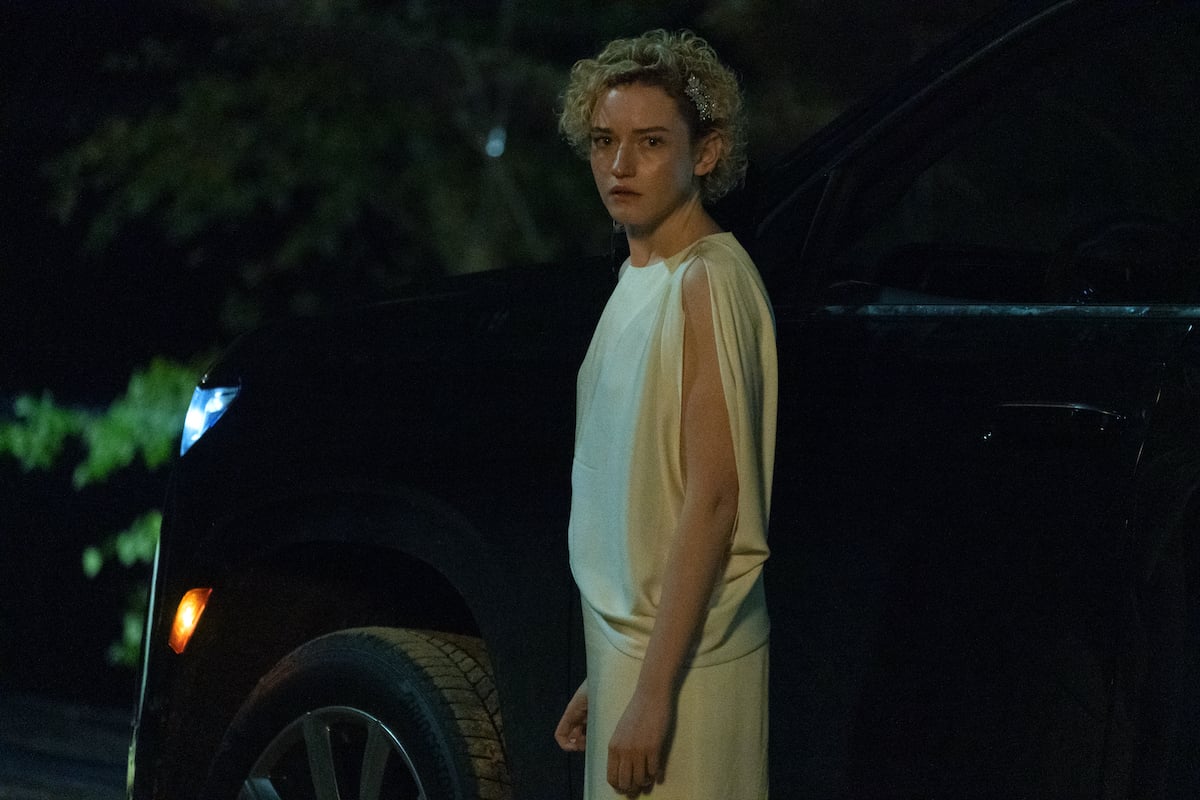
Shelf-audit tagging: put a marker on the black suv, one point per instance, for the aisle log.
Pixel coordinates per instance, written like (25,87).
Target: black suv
(983,579)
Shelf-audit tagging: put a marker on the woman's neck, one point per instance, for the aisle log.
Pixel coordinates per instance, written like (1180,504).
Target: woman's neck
(669,237)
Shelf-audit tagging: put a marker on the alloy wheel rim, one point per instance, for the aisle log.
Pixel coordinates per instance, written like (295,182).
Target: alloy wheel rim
(333,753)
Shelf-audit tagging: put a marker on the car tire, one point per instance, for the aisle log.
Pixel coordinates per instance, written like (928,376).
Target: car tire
(374,712)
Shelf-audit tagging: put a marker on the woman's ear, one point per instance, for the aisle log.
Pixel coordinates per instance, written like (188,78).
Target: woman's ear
(707,153)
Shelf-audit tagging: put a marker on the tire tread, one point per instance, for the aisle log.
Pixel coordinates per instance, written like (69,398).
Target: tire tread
(459,668)
(447,674)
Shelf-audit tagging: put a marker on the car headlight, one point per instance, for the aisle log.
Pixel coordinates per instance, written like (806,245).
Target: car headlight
(206,408)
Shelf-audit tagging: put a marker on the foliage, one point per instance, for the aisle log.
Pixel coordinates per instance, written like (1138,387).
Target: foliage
(331,152)
(134,545)
(146,422)
(131,547)
(127,649)
(37,440)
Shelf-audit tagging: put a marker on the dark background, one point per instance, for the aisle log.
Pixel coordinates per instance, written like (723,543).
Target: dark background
(74,325)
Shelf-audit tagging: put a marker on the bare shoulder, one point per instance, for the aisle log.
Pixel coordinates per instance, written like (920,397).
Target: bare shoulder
(695,285)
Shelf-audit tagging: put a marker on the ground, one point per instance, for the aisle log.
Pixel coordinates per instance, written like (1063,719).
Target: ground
(51,750)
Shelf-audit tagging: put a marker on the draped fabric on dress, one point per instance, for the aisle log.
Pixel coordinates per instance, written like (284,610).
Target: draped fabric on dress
(627,479)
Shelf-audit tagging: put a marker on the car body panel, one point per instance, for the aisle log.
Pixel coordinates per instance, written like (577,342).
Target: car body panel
(956,562)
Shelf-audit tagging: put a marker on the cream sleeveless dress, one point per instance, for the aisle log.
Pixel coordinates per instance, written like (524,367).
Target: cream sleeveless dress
(627,491)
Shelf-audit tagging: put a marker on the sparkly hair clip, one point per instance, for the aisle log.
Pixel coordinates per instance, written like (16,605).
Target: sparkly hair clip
(699,96)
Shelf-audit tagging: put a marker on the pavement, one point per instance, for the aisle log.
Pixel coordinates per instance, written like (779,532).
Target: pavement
(54,750)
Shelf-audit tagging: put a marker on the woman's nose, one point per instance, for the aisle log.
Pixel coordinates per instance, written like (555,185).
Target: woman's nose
(623,164)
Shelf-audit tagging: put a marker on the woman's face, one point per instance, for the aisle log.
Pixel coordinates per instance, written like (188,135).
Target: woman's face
(642,156)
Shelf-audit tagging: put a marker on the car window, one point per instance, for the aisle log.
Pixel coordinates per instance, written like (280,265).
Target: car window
(1071,178)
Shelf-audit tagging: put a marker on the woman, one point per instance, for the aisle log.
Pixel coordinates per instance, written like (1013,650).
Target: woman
(674,440)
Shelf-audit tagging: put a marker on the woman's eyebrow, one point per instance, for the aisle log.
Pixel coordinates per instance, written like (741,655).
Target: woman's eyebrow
(653,129)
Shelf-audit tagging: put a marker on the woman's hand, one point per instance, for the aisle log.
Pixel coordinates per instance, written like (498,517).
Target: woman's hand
(571,733)
(635,753)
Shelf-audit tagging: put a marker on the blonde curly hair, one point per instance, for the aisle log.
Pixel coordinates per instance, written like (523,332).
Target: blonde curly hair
(684,66)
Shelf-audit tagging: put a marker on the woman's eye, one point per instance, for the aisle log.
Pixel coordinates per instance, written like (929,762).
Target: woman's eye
(601,141)
(653,141)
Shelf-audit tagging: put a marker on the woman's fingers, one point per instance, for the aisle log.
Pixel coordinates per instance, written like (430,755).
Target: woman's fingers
(633,772)
(621,772)
(571,738)
(653,769)
(571,732)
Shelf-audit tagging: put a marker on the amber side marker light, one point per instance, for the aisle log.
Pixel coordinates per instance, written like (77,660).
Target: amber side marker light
(187,616)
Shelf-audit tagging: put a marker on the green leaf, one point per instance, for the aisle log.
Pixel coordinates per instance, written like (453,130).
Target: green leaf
(135,544)
(132,546)
(126,650)
(43,427)
(146,420)
(93,561)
